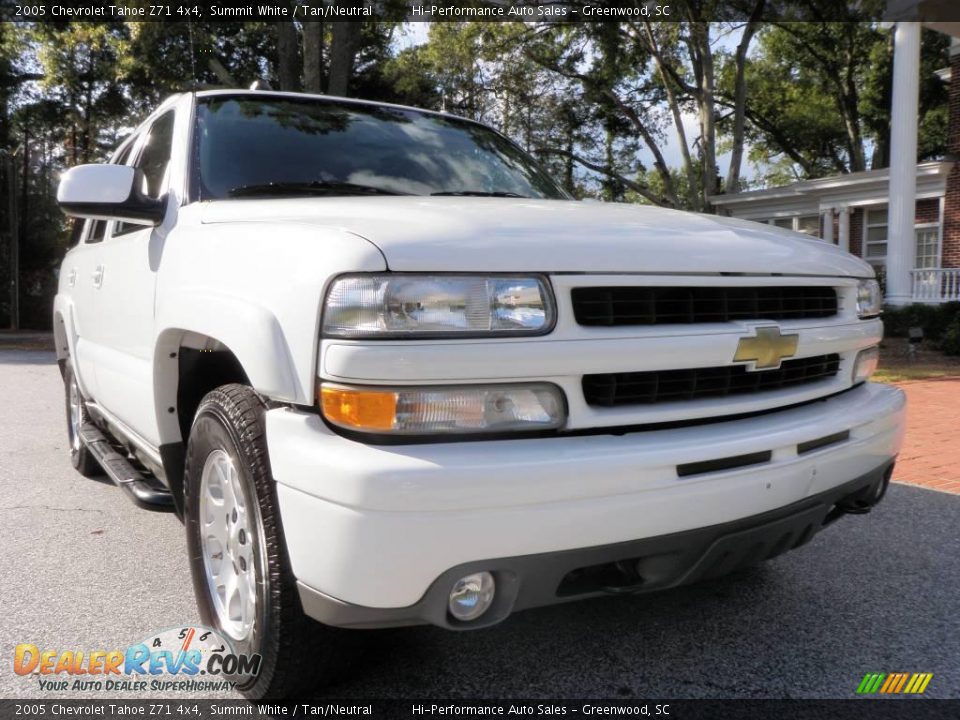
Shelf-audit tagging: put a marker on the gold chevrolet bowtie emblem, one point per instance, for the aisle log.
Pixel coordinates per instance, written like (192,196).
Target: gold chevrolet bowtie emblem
(767,349)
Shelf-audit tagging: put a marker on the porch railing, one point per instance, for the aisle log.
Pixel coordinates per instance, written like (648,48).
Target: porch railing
(936,286)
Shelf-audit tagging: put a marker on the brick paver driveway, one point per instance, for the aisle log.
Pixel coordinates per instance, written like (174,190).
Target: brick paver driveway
(931,453)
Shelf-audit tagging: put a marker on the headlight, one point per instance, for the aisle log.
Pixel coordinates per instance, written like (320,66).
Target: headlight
(866,364)
(409,305)
(444,410)
(869,299)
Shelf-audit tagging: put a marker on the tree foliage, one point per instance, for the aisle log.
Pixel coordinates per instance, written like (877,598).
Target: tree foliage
(664,113)
(820,97)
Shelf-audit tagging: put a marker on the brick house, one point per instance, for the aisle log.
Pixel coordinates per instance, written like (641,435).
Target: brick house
(917,254)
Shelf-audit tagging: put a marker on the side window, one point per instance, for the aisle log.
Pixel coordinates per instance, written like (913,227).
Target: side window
(97,232)
(93,231)
(124,154)
(153,161)
(155,155)
(77,230)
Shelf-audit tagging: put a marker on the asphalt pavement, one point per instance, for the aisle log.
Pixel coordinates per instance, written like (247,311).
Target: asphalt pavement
(83,568)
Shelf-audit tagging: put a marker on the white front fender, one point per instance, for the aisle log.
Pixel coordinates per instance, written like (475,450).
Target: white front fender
(248,330)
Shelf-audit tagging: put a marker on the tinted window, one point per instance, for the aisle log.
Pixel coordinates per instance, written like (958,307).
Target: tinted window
(155,155)
(125,154)
(153,161)
(77,229)
(97,232)
(248,146)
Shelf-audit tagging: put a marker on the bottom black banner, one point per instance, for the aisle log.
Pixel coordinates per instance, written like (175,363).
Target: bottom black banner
(891,709)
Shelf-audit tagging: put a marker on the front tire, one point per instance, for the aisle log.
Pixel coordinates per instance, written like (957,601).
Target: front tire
(242,579)
(80,455)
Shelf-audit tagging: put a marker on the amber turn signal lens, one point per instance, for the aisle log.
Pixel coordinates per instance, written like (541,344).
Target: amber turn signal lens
(360,409)
(451,410)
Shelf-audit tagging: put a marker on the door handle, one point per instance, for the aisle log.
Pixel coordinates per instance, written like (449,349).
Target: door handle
(98,276)
(72,277)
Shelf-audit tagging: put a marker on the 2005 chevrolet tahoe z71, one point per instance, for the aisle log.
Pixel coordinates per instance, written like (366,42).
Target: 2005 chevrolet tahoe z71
(389,373)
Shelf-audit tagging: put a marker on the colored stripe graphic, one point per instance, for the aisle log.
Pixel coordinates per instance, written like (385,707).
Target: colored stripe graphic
(870,683)
(900,684)
(894,683)
(188,640)
(891,683)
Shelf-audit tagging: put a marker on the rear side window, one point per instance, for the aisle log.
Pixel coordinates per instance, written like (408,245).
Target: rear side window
(97,232)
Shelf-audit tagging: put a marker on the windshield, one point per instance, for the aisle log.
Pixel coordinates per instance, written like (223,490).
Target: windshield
(279,146)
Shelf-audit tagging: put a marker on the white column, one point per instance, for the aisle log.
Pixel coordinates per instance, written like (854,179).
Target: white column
(826,222)
(843,234)
(903,161)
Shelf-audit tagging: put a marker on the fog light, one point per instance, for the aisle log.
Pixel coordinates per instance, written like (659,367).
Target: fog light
(472,596)
(866,364)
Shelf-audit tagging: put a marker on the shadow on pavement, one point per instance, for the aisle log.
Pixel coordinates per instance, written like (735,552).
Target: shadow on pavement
(27,357)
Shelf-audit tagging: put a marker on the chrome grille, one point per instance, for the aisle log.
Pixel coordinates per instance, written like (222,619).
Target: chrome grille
(657,386)
(687,305)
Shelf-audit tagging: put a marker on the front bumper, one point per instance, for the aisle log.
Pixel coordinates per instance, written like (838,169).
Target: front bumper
(382,527)
(631,567)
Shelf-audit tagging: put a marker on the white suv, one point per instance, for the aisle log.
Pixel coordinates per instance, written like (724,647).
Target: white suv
(389,373)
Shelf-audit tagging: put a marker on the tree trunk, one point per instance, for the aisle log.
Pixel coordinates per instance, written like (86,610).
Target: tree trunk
(346,36)
(673,102)
(223,75)
(313,57)
(659,163)
(88,123)
(288,70)
(858,158)
(851,111)
(732,184)
(6,82)
(25,184)
(700,38)
(610,186)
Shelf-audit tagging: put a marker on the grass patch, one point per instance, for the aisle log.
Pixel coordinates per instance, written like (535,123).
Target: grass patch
(898,365)
(914,373)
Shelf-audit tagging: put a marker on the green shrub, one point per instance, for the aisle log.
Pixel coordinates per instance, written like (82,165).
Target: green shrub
(934,319)
(950,340)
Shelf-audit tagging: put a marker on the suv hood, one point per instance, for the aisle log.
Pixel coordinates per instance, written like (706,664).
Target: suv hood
(470,234)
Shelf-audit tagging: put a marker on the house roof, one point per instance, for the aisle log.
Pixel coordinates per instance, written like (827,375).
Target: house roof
(860,188)
(935,14)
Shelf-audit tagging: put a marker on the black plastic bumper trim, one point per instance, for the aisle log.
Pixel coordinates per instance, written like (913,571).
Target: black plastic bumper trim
(822,442)
(727,463)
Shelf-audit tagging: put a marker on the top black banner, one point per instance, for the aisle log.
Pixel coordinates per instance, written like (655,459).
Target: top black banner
(561,11)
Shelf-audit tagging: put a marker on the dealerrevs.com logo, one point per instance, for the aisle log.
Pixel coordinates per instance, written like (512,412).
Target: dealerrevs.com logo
(189,659)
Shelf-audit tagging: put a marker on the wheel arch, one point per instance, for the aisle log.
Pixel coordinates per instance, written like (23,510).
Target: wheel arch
(64,334)
(205,342)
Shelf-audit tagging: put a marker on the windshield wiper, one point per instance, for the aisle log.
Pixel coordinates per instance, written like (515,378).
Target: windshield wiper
(316,187)
(480,193)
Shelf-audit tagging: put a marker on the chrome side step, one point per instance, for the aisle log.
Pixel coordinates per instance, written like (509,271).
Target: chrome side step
(145,491)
